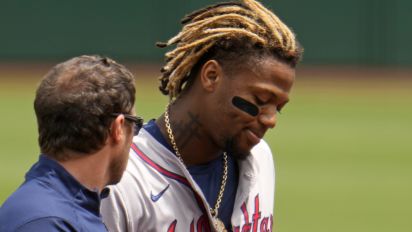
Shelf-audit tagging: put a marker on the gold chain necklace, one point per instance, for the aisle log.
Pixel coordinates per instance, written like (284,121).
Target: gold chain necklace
(214,211)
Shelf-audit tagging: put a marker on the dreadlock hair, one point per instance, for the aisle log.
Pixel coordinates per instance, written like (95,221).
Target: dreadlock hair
(227,32)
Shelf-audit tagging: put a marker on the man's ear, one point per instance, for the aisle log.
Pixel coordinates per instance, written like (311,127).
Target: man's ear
(210,75)
(116,128)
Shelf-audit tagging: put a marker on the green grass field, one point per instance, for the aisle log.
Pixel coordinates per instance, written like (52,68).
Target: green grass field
(343,150)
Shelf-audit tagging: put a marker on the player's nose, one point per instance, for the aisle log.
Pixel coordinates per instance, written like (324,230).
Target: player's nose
(268,117)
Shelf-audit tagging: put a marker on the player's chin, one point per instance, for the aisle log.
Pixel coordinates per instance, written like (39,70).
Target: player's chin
(244,150)
(240,150)
(240,155)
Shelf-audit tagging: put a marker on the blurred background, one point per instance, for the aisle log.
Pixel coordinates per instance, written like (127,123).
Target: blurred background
(342,147)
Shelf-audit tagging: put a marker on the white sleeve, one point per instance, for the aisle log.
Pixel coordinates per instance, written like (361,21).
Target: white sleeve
(114,211)
(123,209)
(265,162)
(271,176)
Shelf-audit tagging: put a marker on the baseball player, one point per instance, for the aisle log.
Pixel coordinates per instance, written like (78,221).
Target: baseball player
(203,165)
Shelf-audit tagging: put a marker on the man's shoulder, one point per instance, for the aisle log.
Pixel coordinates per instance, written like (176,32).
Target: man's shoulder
(32,201)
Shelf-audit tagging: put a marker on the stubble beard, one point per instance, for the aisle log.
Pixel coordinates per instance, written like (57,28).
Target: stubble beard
(116,170)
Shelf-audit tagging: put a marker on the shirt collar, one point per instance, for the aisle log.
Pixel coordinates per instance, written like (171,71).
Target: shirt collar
(154,130)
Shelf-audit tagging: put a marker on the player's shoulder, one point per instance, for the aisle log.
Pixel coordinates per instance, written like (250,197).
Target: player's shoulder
(262,146)
(262,152)
(261,158)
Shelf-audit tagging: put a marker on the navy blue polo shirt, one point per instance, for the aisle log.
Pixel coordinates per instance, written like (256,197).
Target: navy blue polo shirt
(51,199)
(209,177)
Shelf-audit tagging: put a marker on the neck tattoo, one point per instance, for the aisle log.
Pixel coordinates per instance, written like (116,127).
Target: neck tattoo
(219,225)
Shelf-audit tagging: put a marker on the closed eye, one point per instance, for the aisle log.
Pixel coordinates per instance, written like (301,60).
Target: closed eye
(279,110)
(259,101)
(280,107)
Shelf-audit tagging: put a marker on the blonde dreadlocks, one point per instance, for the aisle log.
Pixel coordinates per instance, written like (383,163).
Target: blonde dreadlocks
(232,27)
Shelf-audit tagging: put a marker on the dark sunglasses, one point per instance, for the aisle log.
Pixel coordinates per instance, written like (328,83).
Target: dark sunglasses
(138,121)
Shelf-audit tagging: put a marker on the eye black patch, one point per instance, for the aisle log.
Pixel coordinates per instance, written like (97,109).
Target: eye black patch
(245,106)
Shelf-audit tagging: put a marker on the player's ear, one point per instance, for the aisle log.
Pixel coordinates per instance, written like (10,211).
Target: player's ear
(210,75)
(116,128)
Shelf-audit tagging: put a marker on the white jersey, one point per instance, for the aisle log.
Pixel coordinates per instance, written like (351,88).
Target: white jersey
(157,193)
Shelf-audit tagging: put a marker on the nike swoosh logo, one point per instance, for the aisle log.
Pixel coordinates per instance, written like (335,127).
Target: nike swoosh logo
(158,196)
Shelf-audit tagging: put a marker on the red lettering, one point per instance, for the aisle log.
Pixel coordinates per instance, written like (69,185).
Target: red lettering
(247,226)
(172,226)
(271,223)
(192,226)
(264,224)
(203,224)
(256,215)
